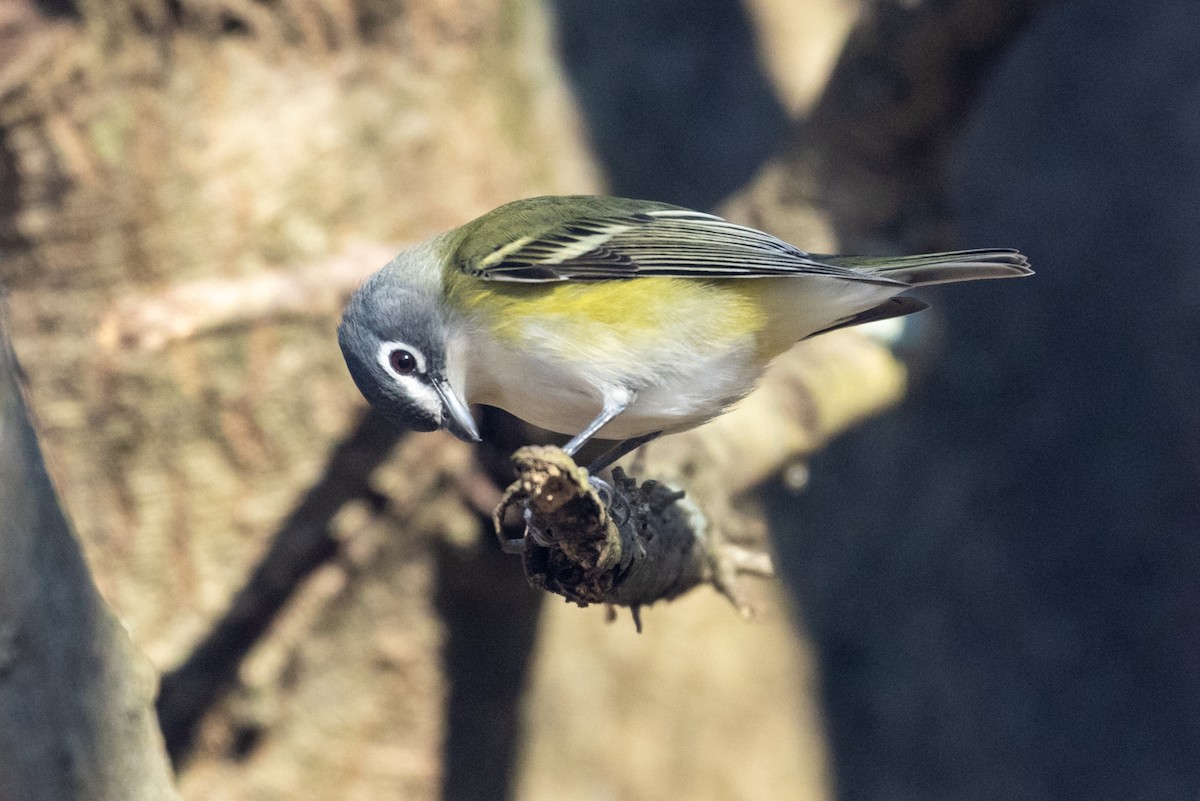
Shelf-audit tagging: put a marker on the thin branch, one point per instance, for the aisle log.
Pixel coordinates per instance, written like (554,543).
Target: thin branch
(640,546)
(151,321)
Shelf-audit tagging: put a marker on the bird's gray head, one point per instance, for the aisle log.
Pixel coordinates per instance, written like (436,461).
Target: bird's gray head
(393,337)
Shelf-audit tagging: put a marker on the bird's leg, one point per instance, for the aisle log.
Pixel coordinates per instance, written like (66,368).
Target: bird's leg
(620,450)
(615,402)
(613,498)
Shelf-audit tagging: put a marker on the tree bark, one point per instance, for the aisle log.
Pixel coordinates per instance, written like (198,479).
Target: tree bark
(76,698)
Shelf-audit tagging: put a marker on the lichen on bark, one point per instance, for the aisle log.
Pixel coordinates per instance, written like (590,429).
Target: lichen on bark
(627,543)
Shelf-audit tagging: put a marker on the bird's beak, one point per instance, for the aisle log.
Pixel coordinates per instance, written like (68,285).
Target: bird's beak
(456,417)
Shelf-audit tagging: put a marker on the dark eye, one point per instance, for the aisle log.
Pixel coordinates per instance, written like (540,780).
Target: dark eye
(403,362)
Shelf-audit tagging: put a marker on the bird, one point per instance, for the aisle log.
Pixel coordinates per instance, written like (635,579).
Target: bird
(610,318)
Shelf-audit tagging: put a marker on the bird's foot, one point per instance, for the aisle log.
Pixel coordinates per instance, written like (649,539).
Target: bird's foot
(533,531)
(613,499)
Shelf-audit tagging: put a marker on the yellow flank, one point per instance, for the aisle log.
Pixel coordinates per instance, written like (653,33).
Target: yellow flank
(607,319)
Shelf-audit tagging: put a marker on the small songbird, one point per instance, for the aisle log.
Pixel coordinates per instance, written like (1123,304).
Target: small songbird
(600,316)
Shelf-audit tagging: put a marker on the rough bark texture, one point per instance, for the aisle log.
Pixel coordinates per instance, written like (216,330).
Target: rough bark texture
(306,541)
(624,543)
(76,698)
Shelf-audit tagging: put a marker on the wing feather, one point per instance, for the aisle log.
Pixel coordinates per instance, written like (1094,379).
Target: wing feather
(657,242)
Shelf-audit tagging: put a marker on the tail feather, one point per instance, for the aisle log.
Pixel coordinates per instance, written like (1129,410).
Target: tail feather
(938,268)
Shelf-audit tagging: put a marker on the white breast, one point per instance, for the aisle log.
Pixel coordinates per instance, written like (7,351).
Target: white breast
(561,398)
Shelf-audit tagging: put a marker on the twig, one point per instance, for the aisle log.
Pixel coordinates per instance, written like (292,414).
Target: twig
(154,320)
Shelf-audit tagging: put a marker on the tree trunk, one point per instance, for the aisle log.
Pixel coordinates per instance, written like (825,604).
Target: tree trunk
(76,698)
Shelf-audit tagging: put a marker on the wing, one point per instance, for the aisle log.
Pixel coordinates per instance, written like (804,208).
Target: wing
(657,240)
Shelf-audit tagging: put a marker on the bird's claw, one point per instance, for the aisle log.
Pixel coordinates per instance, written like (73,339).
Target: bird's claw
(603,489)
(613,500)
(533,531)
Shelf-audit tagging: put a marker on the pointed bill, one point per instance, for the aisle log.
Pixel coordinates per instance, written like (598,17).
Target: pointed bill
(456,417)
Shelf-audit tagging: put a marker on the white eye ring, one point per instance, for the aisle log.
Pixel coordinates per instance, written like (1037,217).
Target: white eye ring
(384,355)
(412,385)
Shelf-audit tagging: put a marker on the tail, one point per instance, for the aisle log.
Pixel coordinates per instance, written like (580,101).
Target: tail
(928,268)
(938,268)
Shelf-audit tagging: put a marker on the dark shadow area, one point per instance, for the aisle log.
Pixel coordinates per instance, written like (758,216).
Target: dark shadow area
(10,194)
(303,543)
(1000,577)
(491,618)
(490,615)
(57,8)
(676,102)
